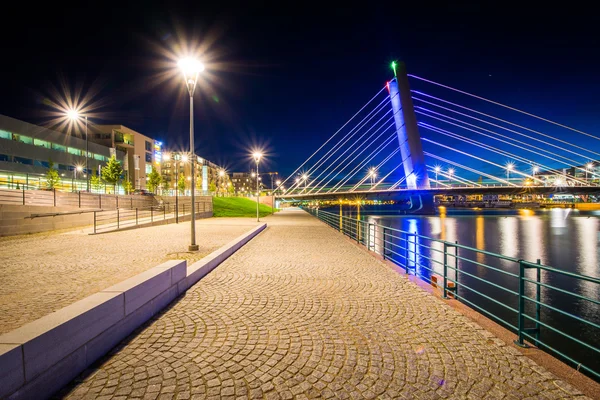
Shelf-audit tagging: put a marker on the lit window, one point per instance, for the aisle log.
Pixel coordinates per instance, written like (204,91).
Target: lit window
(59,147)
(22,139)
(5,135)
(41,143)
(74,151)
(99,157)
(148,157)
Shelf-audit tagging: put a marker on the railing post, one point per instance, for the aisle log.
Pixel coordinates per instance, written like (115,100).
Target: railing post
(164,212)
(130,202)
(54,194)
(23,196)
(94,221)
(456,267)
(521,319)
(415,251)
(151,214)
(99,201)
(176,208)
(537,305)
(406,252)
(118,225)
(444,292)
(79,193)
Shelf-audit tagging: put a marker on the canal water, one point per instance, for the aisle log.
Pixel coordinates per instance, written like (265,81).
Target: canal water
(565,239)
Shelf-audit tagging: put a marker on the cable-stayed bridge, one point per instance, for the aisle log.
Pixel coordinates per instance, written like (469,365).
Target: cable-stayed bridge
(416,144)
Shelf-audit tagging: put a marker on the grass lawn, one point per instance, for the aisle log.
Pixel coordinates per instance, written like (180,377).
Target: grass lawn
(238,207)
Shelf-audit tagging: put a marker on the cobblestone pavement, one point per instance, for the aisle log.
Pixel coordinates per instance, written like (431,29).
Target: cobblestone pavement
(300,312)
(41,273)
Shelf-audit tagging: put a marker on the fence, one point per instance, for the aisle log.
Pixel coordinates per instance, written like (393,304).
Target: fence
(110,220)
(55,198)
(528,298)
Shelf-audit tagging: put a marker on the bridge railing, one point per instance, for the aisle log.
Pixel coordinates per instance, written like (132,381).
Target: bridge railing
(555,310)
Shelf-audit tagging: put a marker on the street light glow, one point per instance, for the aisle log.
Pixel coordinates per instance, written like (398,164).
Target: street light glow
(257,156)
(437,168)
(590,165)
(190,66)
(167,157)
(184,158)
(73,114)
(450,171)
(221,173)
(510,166)
(79,168)
(304,177)
(536,169)
(278,183)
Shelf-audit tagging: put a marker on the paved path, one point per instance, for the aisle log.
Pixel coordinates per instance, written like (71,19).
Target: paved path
(300,312)
(41,273)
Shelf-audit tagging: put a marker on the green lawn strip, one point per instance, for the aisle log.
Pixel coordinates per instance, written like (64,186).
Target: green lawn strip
(238,207)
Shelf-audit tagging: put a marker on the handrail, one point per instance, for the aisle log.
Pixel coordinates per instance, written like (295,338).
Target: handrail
(407,249)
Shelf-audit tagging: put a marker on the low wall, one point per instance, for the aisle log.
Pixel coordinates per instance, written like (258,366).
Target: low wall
(39,358)
(15,220)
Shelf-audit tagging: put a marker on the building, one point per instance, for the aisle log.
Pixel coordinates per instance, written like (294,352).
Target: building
(142,151)
(581,175)
(210,178)
(26,151)
(243,183)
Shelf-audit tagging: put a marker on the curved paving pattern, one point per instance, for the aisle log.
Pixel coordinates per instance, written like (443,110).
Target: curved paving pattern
(300,312)
(42,273)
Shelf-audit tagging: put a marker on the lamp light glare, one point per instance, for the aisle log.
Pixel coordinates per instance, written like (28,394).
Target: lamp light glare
(73,114)
(190,66)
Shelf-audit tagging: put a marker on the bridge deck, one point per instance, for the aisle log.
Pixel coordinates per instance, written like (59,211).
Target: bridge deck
(300,312)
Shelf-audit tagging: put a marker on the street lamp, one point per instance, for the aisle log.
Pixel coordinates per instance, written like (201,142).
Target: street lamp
(73,115)
(509,167)
(588,166)
(77,169)
(437,171)
(257,157)
(191,68)
(450,173)
(372,175)
(305,179)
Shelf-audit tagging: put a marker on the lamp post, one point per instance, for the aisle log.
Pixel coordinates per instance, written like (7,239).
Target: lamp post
(221,175)
(509,167)
(257,157)
(450,173)
(437,171)
(588,167)
(77,169)
(372,175)
(74,116)
(305,179)
(191,68)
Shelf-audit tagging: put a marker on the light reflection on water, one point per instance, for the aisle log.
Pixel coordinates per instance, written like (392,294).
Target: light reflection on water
(559,238)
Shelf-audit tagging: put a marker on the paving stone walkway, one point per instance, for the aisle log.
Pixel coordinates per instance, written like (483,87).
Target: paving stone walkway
(300,312)
(44,272)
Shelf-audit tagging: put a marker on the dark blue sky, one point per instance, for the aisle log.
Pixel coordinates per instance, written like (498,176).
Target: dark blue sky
(289,76)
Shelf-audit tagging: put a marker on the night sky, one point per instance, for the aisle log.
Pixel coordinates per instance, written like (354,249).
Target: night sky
(284,78)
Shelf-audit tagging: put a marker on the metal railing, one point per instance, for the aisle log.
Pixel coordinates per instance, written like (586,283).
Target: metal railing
(110,220)
(533,300)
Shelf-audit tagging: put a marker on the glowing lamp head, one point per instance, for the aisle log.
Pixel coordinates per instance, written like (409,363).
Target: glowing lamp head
(304,177)
(536,169)
(510,166)
(221,173)
(437,169)
(79,168)
(278,183)
(450,171)
(257,156)
(73,114)
(190,66)
(297,180)
(590,165)
(167,157)
(184,158)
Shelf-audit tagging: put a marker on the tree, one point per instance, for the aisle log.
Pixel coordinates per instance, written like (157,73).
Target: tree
(52,176)
(95,182)
(154,180)
(111,172)
(230,189)
(165,186)
(128,186)
(212,187)
(181,184)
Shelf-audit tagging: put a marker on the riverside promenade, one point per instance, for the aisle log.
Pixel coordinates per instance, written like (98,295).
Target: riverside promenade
(301,312)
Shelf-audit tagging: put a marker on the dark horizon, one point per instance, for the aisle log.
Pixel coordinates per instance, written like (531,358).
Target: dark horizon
(286,82)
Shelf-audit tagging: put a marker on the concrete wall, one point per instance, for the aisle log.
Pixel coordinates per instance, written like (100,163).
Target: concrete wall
(15,220)
(39,358)
(73,199)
